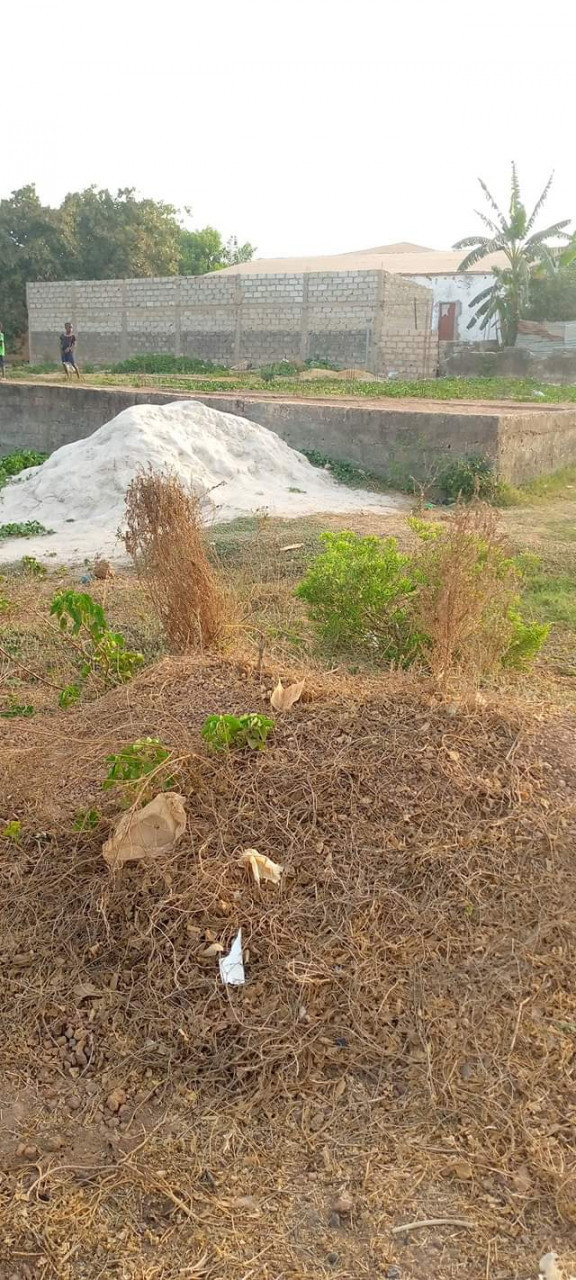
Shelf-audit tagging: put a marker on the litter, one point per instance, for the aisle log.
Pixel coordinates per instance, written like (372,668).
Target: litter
(232,965)
(262,868)
(282,699)
(147,832)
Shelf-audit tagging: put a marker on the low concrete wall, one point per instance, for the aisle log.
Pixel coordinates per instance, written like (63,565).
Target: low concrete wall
(394,439)
(475,360)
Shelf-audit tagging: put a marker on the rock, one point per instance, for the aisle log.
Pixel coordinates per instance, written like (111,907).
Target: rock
(81,1059)
(74,1102)
(343,1204)
(334,1219)
(54,1142)
(393,1273)
(116,1099)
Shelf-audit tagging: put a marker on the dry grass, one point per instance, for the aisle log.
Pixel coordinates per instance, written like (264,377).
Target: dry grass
(165,538)
(407,1027)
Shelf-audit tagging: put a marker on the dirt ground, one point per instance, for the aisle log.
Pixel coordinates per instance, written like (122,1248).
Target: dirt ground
(404,1046)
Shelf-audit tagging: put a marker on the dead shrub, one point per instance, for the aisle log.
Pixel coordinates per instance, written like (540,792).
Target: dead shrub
(165,538)
(468,585)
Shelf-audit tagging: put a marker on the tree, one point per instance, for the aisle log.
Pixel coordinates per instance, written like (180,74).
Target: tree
(114,237)
(526,251)
(204,251)
(96,235)
(33,246)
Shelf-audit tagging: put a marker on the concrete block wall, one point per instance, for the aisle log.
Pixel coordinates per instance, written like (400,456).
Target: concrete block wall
(364,319)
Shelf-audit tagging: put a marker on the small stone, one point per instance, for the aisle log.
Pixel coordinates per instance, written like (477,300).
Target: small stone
(116,1099)
(343,1204)
(124,1111)
(30,1152)
(74,1102)
(62,1041)
(332,1259)
(334,1219)
(393,1273)
(69,1033)
(113,1122)
(54,1142)
(79,1033)
(81,1059)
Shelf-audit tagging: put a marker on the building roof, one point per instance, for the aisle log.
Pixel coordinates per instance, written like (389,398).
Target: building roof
(409,260)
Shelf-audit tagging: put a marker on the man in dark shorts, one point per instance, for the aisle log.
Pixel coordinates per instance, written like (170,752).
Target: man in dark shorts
(67,350)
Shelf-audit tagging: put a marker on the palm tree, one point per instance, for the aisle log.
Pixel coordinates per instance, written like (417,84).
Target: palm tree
(526,250)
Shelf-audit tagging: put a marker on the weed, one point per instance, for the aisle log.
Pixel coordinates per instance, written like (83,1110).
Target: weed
(34,567)
(166,541)
(5,604)
(279,369)
(226,732)
(24,529)
(16,709)
(137,761)
(70,695)
(471,476)
(101,650)
(346,472)
(14,463)
(87,819)
(12,830)
(157,363)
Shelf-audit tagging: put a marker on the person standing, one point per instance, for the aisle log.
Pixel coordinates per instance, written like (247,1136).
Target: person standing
(2,350)
(68,350)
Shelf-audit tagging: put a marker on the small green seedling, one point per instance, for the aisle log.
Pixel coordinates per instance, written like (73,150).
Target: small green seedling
(136,761)
(227,732)
(87,819)
(33,566)
(71,694)
(12,830)
(102,651)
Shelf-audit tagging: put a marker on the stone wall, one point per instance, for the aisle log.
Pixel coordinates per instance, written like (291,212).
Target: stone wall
(386,437)
(357,319)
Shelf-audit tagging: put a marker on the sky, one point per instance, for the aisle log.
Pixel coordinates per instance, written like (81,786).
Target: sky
(308,127)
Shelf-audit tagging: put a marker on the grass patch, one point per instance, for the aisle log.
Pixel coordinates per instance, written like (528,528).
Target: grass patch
(184,373)
(551,597)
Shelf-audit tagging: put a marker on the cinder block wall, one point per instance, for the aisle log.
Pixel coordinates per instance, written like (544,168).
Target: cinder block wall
(360,319)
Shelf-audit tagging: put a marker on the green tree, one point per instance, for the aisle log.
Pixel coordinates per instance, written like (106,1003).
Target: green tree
(33,246)
(203,251)
(526,251)
(117,236)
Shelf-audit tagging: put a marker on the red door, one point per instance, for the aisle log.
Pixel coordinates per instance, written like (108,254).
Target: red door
(447,322)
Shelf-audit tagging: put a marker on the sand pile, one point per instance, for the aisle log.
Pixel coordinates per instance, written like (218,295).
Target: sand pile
(79,492)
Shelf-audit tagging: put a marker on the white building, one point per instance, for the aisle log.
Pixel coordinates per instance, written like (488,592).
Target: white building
(438,269)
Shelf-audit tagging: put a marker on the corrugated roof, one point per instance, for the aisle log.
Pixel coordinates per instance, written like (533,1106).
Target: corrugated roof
(417,262)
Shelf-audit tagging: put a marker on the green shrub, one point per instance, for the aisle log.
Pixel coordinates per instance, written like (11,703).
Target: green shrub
(467,477)
(26,529)
(453,604)
(14,463)
(526,641)
(152,362)
(278,369)
(359,592)
(226,732)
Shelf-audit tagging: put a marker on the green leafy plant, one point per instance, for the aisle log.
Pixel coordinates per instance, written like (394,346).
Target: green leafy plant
(16,709)
(469,476)
(136,761)
(12,830)
(359,591)
(279,369)
(101,650)
(155,362)
(87,819)
(34,567)
(70,695)
(14,463)
(228,732)
(24,529)
(5,604)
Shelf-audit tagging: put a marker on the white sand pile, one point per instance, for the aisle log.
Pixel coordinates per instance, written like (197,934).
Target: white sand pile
(79,492)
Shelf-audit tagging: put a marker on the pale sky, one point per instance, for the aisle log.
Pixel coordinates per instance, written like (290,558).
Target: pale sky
(315,126)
